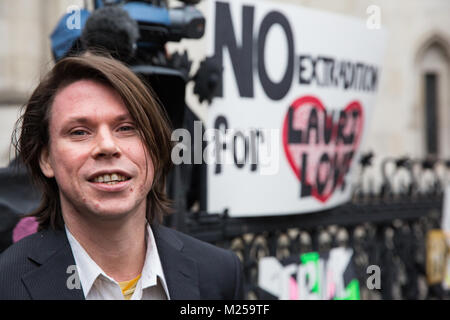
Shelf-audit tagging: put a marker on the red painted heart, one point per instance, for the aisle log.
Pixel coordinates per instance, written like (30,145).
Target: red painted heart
(320,144)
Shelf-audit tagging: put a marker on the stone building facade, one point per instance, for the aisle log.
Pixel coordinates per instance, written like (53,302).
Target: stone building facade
(412,113)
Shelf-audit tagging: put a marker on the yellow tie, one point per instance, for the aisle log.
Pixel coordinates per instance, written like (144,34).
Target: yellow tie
(128,287)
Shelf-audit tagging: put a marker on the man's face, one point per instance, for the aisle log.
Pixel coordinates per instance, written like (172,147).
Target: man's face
(96,153)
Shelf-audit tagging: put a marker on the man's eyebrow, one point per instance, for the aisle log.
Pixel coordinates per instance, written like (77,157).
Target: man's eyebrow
(84,120)
(123,117)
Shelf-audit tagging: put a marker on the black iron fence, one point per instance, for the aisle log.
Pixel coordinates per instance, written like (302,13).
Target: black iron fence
(385,224)
(394,205)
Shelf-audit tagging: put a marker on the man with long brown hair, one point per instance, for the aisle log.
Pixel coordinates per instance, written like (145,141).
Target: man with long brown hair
(98,145)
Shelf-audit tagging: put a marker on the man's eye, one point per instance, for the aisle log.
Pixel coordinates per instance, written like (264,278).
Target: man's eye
(78,133)
(126,128)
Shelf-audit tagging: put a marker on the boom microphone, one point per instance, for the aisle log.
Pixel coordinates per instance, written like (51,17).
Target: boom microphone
(111,29)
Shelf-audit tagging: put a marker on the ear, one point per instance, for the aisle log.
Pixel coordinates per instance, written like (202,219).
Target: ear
(44,163)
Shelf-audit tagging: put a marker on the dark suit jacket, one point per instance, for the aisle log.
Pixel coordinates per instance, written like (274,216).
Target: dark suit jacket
(36,268)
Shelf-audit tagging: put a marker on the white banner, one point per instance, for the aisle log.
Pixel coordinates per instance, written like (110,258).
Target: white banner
(292,110)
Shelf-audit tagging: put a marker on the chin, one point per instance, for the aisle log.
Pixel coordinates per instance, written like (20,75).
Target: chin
(112,212)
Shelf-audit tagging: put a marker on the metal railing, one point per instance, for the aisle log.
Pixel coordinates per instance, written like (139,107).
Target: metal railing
(385,224)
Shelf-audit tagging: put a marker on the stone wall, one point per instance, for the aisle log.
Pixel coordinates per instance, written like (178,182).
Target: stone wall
(397,127)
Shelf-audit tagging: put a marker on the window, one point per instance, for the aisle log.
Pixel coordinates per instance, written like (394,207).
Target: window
(434,97)
(431,114)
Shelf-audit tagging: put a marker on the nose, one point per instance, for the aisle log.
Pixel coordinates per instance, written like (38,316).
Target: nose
(105,145)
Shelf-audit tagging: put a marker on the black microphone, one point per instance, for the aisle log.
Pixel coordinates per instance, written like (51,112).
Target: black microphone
(111,29)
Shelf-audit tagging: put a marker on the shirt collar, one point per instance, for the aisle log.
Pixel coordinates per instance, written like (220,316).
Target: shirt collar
(89,271)
(152,270)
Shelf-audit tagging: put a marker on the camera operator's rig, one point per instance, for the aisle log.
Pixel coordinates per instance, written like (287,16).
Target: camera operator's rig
(136,33)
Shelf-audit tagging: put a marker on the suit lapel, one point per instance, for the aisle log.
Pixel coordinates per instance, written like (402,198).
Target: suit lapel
(53,256)
(180,271)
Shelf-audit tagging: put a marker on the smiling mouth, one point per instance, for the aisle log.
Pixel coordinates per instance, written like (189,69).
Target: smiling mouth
(110,179)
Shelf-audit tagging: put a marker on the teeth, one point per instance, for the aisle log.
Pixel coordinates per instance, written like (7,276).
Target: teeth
(110,178)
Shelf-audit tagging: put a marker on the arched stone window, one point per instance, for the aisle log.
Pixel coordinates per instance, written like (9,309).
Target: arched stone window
(433,62)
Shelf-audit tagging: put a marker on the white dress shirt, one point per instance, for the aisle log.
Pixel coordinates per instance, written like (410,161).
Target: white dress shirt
(97,285)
